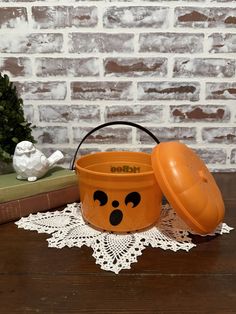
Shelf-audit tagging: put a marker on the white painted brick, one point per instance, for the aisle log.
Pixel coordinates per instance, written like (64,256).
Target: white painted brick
(168,65)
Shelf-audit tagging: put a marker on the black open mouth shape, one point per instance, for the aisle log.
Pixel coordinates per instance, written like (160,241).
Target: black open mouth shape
(116,217)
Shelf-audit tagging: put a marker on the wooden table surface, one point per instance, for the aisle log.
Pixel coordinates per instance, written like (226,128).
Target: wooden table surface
(38,279)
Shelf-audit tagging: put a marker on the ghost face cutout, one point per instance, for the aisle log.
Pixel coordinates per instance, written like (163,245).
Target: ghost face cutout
(120,209)
(116,215)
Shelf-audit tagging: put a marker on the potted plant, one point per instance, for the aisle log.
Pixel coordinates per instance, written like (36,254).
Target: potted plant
(13,126)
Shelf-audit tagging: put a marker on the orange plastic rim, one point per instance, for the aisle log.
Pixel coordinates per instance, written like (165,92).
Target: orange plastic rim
(118,190)
(188,186)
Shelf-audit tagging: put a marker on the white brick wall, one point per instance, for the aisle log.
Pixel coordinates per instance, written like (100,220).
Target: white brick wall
(168,65)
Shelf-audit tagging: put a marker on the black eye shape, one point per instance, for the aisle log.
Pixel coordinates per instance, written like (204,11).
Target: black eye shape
(101,197)
(133,197)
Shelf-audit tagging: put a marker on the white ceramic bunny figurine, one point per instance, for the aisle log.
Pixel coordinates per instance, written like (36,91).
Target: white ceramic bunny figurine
(30,163)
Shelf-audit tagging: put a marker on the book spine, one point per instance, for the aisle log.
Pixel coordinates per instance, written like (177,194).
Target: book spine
(16,209)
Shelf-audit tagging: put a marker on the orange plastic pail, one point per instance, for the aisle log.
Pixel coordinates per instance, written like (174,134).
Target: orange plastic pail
(118,190)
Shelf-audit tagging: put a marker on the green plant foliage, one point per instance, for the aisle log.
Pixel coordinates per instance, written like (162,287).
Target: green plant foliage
(13,126)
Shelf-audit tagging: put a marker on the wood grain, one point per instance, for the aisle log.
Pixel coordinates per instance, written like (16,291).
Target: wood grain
(38,279)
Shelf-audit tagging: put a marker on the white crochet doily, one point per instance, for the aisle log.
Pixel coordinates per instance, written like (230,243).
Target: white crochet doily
(113,252)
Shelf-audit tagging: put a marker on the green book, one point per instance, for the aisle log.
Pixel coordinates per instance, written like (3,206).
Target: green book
(56,178)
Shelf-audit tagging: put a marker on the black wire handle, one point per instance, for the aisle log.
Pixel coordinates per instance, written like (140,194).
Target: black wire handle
(109,124)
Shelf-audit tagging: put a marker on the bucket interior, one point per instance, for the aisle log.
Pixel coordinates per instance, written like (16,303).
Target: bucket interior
(116,163)
(120,168)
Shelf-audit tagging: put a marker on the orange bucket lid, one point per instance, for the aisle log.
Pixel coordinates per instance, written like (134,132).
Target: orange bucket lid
(188,186)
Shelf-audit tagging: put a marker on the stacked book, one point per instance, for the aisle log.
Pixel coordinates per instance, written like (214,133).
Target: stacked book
(19,198)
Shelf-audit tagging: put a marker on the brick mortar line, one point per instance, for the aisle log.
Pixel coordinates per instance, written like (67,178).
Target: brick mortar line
(164,123)
(170,103)
(136,43)
(204,4)
(134,91)
(200,125)
(164,102)
(120,30)
(29,16)
(65,44)
(101,69)
(141,55)
(68,91)
(134,140)
(170,66)
(32,60)
(70,134)
(199,134)
(100,12)
(228,157)
(232,110)
(111,103)
(151,54)
(143,79)
(102,114)
(164,107)
(36,120)
(171,17)
(202,92)
(127,145)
